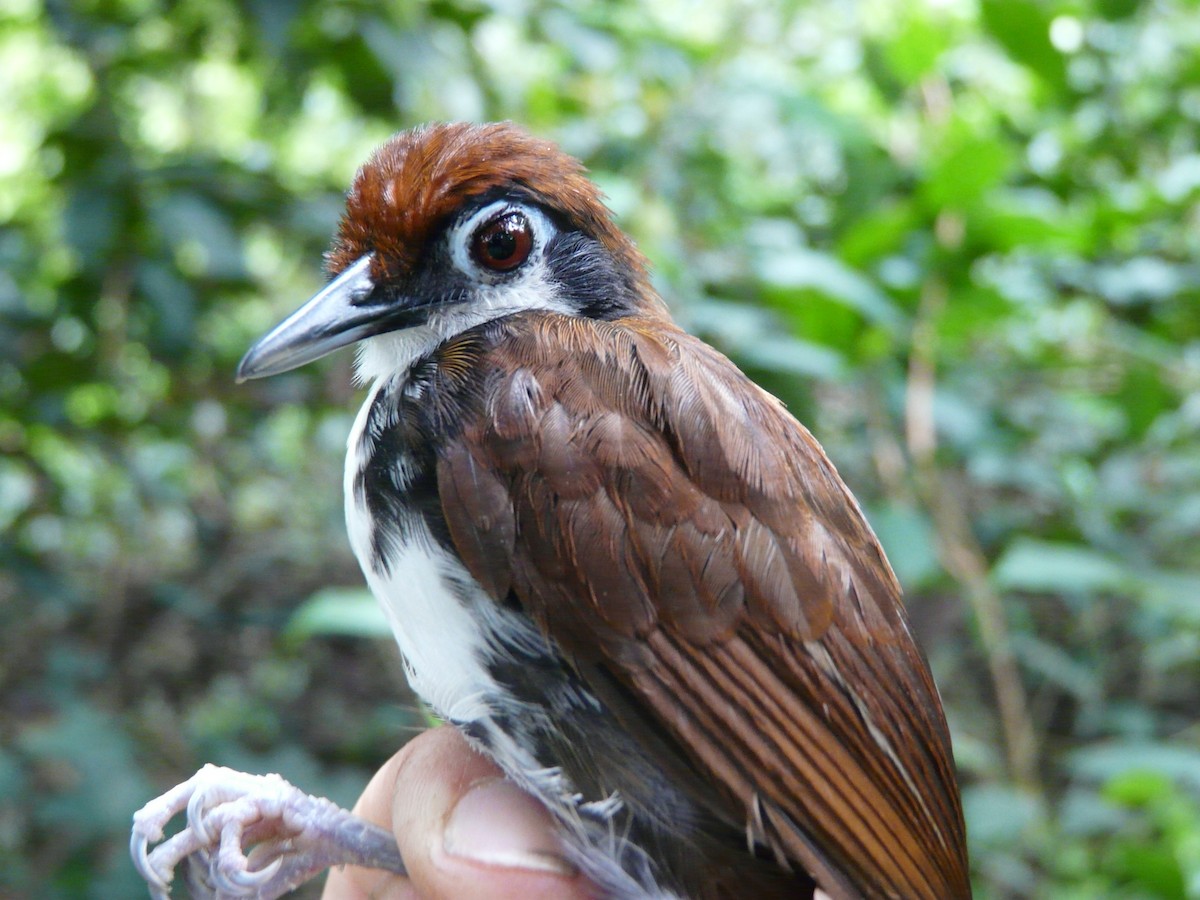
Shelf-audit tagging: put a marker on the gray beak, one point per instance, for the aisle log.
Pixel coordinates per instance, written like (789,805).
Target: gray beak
(340,314)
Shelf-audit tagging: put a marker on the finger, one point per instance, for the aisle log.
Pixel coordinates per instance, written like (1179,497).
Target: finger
(465,831)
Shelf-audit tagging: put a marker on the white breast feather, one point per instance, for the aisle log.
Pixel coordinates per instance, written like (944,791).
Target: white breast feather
(439,638)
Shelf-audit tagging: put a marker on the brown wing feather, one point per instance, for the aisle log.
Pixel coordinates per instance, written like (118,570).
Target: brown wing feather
(654,510)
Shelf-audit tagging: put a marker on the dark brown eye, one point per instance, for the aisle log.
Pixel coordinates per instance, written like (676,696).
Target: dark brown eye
(503,243)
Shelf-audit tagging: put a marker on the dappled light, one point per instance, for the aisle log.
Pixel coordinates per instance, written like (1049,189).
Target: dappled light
(961,240)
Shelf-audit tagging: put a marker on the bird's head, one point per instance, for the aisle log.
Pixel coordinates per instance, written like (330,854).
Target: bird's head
(447,227)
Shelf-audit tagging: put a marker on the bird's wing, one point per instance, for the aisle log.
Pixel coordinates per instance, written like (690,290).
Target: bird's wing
(661,516)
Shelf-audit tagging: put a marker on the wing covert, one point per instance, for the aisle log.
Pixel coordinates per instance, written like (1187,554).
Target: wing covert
(659,515)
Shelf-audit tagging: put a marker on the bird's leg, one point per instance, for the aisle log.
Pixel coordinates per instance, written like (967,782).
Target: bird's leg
(251,837)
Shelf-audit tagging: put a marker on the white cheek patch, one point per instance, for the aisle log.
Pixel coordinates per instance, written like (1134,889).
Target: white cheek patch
(531,289)
(384,355)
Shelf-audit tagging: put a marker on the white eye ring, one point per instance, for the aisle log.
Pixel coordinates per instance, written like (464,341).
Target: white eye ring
(462,235)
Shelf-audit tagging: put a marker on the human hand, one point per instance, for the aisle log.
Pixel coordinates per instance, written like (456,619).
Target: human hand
(463,830)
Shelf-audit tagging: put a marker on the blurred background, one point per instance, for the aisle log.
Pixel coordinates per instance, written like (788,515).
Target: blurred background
(958,237)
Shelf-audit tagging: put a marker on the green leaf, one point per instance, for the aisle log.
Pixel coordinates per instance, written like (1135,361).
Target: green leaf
(1032,565)
(1056,665)
(1032,218)
(965,168)
(793,356)
(876,233)
(1106,761)
(997,815)
(351,612)
(1137,787)
(907,536)
(99,779)
(755,338)
(1022,28)
(1118,9)
(201,235)
(914,51)
(803,268)
(1155,869)
(1172,594)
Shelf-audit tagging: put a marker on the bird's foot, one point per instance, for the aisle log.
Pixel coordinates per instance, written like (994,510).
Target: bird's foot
(251,837)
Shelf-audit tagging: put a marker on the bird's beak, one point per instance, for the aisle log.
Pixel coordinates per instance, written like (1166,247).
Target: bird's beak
(343,312)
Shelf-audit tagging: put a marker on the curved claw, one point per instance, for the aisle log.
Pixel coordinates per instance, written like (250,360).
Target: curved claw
(160,888)
(197,820)
(299,834)
(230,870)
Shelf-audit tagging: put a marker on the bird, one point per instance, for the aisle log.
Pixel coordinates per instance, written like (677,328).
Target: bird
(618,566)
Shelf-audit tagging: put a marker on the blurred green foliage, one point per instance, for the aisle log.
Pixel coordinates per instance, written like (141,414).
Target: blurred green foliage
(959,238)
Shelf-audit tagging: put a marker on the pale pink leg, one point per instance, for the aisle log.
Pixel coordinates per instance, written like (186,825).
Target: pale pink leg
(292,837)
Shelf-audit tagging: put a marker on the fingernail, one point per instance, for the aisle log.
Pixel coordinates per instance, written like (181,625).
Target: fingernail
(497,823)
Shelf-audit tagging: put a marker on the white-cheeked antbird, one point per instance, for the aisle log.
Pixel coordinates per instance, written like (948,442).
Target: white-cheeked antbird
(616,564)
